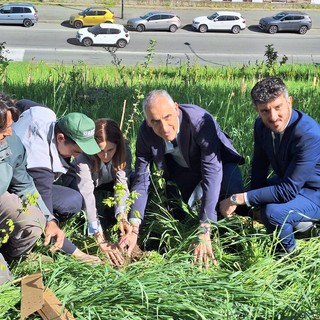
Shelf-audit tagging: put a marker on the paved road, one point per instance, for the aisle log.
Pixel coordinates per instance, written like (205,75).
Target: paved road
(60,13)
(53,40)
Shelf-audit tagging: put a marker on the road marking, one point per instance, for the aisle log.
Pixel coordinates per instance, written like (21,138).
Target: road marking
(14,54)
(19,53)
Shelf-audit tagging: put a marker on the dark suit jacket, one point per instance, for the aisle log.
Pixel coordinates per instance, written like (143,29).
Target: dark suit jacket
(204,147)
(297,163)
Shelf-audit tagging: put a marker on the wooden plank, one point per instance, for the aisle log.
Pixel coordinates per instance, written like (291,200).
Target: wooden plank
(52,308)
(31,294)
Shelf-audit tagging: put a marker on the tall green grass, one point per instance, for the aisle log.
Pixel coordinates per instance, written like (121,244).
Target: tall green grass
(248,283)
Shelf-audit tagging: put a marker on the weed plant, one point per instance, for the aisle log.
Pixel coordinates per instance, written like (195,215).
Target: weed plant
(249,282)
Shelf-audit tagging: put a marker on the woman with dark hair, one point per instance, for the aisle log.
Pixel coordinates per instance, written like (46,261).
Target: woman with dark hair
(99,175)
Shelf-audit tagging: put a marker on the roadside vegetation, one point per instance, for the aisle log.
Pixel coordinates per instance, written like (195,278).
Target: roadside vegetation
(166,4)
(249,282)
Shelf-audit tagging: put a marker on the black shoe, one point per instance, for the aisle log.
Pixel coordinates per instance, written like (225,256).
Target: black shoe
(305,230)
(285,255)
(315,231)
(282,255)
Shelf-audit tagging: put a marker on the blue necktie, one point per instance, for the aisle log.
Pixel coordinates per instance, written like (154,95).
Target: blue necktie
(174,143)
(277,141)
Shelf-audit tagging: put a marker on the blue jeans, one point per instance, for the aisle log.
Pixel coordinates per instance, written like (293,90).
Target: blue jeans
(231,180)
(285,216)
(66,202)
(188,183)
(231,183)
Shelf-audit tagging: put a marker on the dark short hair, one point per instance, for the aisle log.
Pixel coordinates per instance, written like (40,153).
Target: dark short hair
(267,90)
(7,104)
(58,130)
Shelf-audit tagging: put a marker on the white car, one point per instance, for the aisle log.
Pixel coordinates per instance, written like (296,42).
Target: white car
(220,20)
(104,33)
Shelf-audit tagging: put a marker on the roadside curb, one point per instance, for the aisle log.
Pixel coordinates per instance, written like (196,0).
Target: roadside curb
(195,4)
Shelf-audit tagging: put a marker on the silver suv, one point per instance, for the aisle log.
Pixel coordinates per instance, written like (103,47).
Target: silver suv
(18,13)
(295,21)
(155,21)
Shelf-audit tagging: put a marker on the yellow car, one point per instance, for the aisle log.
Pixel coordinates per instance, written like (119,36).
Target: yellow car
(91,17)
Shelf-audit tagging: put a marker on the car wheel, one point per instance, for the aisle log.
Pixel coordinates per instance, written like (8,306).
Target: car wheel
(27,23)
(303,29)
(235,29)
(78,24)
(273,29)
(108,21)
(121,43)
(140,27)
(203,28)
(173,28)
(87,42)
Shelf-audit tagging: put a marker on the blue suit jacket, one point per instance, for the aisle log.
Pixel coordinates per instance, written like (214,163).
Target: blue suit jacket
(204,147)
(297,164)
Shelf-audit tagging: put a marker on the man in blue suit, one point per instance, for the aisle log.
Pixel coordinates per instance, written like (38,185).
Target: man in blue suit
(288,141)
(187,144)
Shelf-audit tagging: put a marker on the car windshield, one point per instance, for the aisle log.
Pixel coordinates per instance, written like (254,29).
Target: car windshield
(213,16)
(146,16)
(94,29)
(84,12)
(279,16)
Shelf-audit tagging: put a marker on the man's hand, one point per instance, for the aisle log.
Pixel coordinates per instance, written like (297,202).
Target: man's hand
(111,251)
(227,209)
(86,258)
(203,252)
(52,231)
(113,254)
(124,225)
(129,240)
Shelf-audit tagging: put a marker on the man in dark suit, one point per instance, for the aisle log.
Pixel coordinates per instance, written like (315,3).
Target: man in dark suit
(187,144)
(288,141)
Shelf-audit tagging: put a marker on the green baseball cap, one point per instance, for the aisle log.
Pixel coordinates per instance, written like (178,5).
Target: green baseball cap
(80,129)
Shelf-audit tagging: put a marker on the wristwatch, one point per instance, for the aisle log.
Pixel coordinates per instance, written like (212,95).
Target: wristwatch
(233,200)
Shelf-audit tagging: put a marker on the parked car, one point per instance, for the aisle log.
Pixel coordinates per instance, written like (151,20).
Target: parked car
(155,21)
(104,33)
(91,16)
(18,13)
(287,21)
(220,20)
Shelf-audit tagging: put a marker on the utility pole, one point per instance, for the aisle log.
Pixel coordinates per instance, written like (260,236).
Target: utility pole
(122,3)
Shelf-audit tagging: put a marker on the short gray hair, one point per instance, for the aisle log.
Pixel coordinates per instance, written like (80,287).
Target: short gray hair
(152,96)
